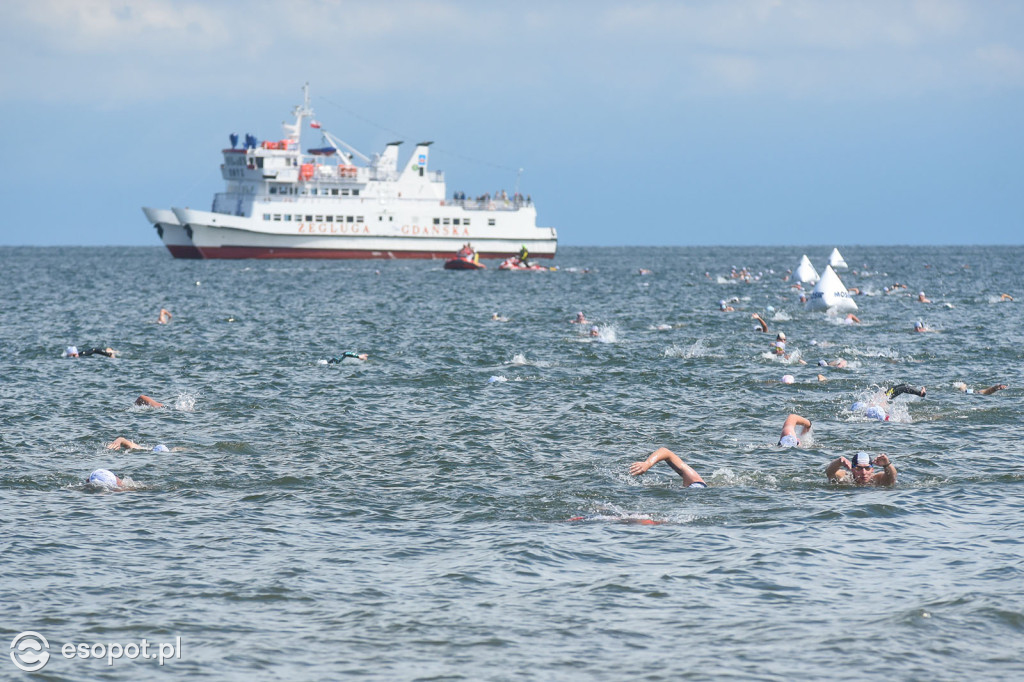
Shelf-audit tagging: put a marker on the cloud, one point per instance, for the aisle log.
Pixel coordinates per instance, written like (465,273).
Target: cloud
(69,50)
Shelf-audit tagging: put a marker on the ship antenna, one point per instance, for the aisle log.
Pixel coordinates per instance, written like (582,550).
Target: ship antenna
(518,174)
(300,112)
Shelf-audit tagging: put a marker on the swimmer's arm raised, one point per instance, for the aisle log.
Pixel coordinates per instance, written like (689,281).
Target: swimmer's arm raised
(888,475)
(838,470)
(687,472)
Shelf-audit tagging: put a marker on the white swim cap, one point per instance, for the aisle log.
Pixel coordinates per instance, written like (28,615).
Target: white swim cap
(70,350)
(160,448)
(876,413)
(787,378)
(857,406)
(861,459)
(103,477)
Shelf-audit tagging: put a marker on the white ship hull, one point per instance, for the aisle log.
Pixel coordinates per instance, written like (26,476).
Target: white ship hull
(218,235)
(174,235)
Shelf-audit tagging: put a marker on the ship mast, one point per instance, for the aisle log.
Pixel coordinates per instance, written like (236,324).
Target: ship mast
(301,111)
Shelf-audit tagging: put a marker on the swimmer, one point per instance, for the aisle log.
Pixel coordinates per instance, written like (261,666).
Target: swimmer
(921,298)
(594,331)
(103,478)
(983,391)
(919,327)
(861,470)
(146,401)
(852,319)
(762,326)
(127,444)
(789,439)
(165,316)
(345,355)
(691,479)
(498,318)
(644,271)
(904,388)
(1005,297)
(725,307)
(73,352)
(779,347)
(580,318)
(838,363)
(853,291)
(822,377)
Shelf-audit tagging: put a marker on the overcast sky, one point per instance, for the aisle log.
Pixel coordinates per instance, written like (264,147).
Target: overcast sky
(647,122)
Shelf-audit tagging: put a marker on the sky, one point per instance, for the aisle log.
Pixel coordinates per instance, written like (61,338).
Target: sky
(648,122)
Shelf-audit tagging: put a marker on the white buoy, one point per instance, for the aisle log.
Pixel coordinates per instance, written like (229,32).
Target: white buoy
(835,259)
(829,292)
(805,272)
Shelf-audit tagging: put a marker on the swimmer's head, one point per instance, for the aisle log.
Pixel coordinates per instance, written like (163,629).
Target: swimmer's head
(160,448)
(781,336)
(104,478)
(788,441)
(919,325)
(770,309)
(71,352)
(858,406)
(787,378)
(878,413)
(861,459)
(594,331)
(822,363)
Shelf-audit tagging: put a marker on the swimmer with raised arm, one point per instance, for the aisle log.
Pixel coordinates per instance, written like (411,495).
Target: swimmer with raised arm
(904,388)
(789,439)
(127,444)
(165,316)
(760,321)
(346,355)
(146,401)
(861,471)
(690,477)
(981,391)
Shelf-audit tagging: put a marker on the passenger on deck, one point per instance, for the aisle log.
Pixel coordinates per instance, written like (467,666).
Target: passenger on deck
(861,470)
(691,479)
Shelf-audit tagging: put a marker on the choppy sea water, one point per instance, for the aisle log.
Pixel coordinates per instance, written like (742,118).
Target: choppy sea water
(458,507)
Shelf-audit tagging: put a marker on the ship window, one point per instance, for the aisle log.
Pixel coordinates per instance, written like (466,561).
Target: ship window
(447,222)
(344,192)
(380,218)
(334,192)
(277,217)
(359,218)
(287,217)
(437,221)
(340,218)
(391,218)
(330,219)
(266,216)
(319,218)
(465,221)
(490,221)
(455,221)
(355,192)
(309,219)
(349,219)
(314,191)
(273,190)
(298,219)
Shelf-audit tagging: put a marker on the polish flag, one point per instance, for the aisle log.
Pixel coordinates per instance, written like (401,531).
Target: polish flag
(314,124)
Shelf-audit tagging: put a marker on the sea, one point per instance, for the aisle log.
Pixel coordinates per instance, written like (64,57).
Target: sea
(459,505)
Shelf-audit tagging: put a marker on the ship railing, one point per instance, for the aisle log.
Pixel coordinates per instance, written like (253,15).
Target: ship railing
(490,204)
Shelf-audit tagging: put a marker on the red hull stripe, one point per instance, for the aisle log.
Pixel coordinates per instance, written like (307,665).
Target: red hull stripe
(264,252)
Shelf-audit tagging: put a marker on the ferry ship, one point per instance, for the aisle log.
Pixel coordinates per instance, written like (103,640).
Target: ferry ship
(282,203)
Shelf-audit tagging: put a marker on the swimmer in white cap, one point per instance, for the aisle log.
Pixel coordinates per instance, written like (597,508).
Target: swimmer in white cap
(789,439)
(861,470)
(921,298)
(103,478)
(594,331)
(691,479)
(725,307)
(580,318)
(919,327)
